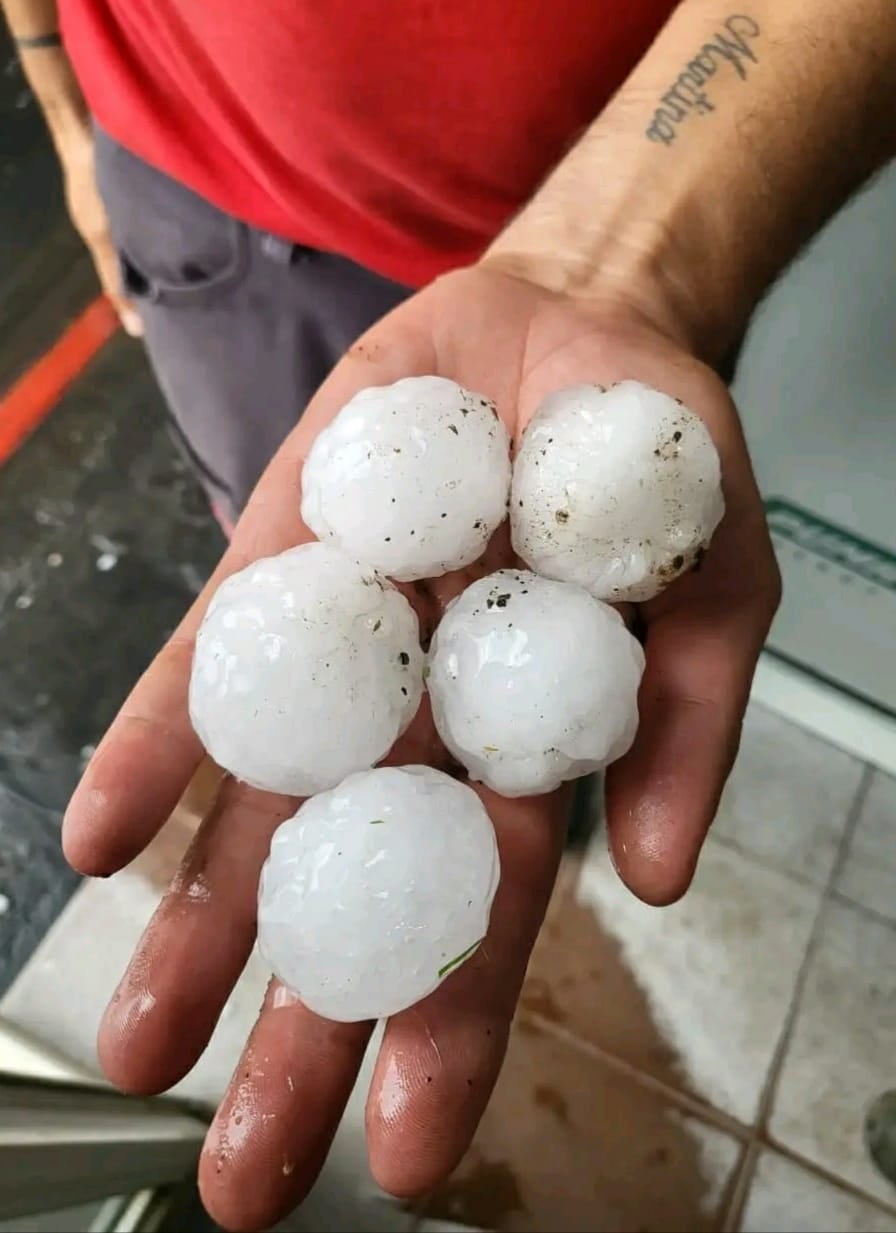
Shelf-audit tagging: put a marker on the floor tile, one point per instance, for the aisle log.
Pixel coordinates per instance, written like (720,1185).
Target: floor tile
(868,876)
(570,1143)
(694,994)
(788,797)
(841,1055)
(786,1198)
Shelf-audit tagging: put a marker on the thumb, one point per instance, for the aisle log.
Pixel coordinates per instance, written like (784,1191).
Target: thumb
(108,271)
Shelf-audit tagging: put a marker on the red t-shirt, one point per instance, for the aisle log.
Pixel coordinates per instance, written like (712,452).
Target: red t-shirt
(400,133)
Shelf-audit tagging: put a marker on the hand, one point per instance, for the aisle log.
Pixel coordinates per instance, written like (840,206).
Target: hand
(439,1060)
(75,144)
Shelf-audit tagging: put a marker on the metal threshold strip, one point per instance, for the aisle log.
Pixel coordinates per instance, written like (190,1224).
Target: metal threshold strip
(66,1142)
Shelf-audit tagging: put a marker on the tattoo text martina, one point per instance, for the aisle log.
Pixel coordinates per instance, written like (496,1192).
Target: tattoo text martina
(732,45)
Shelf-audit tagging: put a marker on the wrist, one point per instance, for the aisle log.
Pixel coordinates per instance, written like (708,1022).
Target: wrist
(641,272)
(54,85)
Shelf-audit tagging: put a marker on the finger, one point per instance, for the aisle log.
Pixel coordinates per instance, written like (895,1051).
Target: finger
(105,259)
(146,759)
(192,952)
(701,655)
(439,1060)
(139,771)
(131,321)
(277,1120)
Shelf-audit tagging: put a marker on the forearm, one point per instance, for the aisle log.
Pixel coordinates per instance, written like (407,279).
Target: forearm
(740,132)
(34,26)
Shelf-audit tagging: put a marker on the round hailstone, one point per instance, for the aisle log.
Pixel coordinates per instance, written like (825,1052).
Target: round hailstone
(411,478)
(618,490)
(307,667)
(375,891)
(533,682)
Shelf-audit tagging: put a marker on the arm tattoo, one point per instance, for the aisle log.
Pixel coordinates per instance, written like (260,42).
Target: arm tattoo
(687,95)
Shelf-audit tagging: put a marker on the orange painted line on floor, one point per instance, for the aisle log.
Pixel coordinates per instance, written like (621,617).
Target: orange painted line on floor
(34,395)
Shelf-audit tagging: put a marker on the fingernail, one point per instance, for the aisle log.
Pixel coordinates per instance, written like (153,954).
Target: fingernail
(132,323)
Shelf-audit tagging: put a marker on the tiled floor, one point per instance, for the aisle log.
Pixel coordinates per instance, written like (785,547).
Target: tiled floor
(707,1066)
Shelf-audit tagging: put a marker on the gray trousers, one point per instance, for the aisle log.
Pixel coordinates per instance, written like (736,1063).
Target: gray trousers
(241,326)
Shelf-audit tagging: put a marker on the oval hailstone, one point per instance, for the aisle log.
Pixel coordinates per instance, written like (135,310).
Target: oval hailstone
(307,667)
(617,490)
(411,478)
(376,890)
(533,682)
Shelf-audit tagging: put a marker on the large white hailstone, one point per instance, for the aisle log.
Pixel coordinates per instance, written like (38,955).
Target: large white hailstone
(533,682)
(411,478)
(618,490)
(307,667)
(376,890)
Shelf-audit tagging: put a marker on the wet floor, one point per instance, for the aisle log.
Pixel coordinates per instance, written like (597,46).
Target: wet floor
(104,540)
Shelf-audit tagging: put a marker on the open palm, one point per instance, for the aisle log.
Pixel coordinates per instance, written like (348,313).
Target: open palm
(439,1060)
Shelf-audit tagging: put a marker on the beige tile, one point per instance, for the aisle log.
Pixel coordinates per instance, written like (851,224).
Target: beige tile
(786,1198)
(570,1143)
(788,797)
(868,876)
(841,1055)
(694,994)
(338,1203)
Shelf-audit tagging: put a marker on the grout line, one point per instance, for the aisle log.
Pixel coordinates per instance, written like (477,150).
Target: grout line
(734,1215)
(871,914)
(685,1101)
(833,1179)
(852,818)
(752,1141)
(32,397)
(765,863)
(740,1191)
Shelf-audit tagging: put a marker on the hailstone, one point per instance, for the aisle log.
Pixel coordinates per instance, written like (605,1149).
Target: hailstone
(376,890)
(533,682)
(618,490)
(307,667)
(411,478)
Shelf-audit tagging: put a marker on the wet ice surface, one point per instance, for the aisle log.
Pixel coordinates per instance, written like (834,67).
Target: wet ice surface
(105,539)
(617,490)
(411,478)
(308,668)
(377,890)
(533,682)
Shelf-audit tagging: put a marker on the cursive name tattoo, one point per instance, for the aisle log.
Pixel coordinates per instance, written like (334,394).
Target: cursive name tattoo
(687,95)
